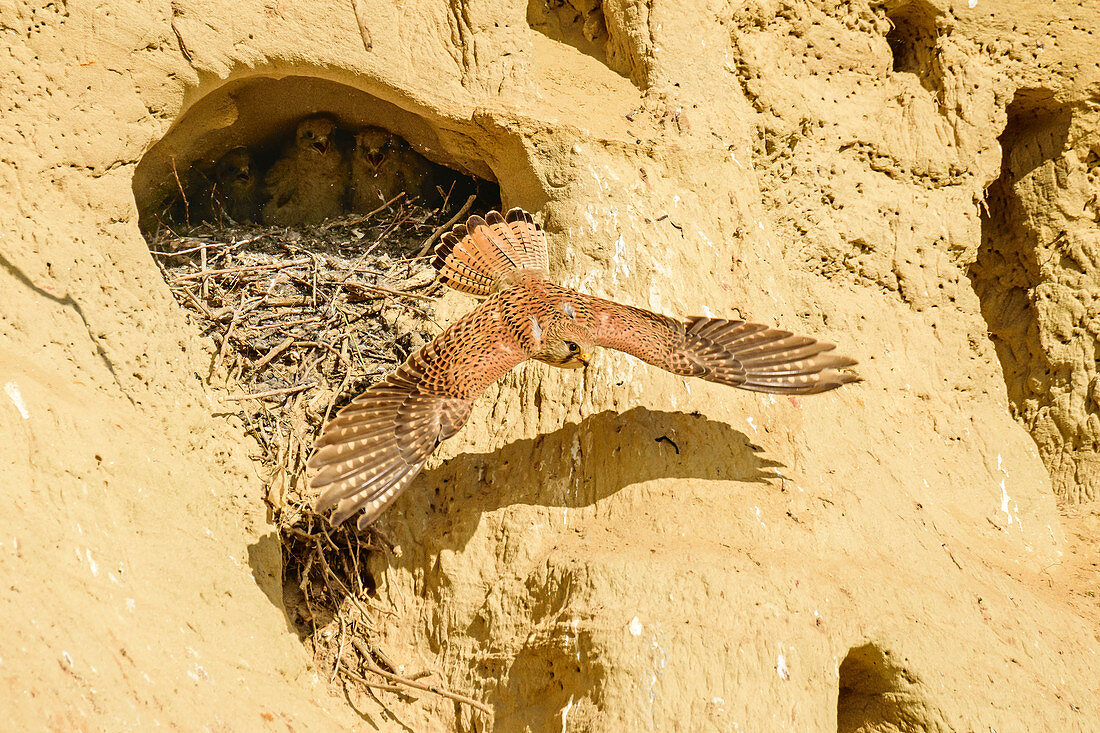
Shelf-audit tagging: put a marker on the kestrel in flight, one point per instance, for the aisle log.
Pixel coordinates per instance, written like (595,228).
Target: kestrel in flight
(371,450)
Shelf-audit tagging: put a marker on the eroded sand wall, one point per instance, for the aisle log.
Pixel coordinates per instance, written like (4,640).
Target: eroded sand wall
(868,556)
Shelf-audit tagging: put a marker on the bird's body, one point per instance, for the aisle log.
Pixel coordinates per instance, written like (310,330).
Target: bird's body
(383,165)
(373,448)
(308,183)
(237,189)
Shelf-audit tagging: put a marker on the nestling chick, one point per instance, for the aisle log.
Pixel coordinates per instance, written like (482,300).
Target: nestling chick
(308,183)
(383,165)
(237,186)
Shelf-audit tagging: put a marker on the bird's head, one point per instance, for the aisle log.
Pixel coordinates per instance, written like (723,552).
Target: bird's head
(315,133)
(373,144)
(568,346)
(235,167)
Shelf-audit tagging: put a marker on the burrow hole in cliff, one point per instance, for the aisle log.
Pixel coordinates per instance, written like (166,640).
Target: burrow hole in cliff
(292,219)
(293,152)
(1029,275)
(876,694)
(1006,271)
(587,26)
(912,39)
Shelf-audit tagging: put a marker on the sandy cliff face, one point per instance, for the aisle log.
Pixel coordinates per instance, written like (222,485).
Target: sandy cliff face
(1037,276)
(916,182)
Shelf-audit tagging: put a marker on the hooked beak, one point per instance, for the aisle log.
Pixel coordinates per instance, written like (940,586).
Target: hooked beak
(321,146)
(584,359)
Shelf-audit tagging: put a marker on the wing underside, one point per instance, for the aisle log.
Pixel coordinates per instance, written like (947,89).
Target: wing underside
(374,447)
(733,352)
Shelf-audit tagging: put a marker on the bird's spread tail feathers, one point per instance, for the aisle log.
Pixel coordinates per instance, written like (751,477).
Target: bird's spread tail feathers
(476,257)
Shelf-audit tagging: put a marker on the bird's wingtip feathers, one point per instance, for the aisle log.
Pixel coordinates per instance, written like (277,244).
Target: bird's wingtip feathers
(762,359)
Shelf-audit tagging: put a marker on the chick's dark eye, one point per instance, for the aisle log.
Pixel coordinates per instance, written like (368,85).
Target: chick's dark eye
(573,348)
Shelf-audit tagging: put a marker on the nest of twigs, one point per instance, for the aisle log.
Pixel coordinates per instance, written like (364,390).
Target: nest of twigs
(303,320)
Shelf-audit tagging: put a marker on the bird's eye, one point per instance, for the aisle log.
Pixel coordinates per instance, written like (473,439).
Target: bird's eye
(573,348)
(309,134)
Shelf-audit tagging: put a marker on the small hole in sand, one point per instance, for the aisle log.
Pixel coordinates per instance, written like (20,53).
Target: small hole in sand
(912,39)
(877,694)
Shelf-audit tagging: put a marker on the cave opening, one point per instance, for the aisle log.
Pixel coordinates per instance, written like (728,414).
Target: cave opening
(912,39)
(1006,271)
(1034,275)
(255,137)
(876,694)
(596,29)
(578,24)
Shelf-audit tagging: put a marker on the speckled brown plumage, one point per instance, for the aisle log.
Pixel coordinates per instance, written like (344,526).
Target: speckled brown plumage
(374,447)
(237,188)
(308,182)
(382,166)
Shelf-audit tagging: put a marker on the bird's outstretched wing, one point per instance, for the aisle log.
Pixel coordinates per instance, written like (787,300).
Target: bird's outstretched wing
(373,448)
(733,352)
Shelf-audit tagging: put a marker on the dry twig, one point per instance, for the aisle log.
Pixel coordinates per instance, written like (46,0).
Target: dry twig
(268,393)
(183,194)
(361,19)
(305,321)
(446,227)
(373,667)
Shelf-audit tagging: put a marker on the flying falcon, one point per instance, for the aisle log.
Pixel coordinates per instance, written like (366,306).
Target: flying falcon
(373,448)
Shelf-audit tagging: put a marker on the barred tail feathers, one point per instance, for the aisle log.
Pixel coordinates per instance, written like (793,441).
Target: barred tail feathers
(474,257)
